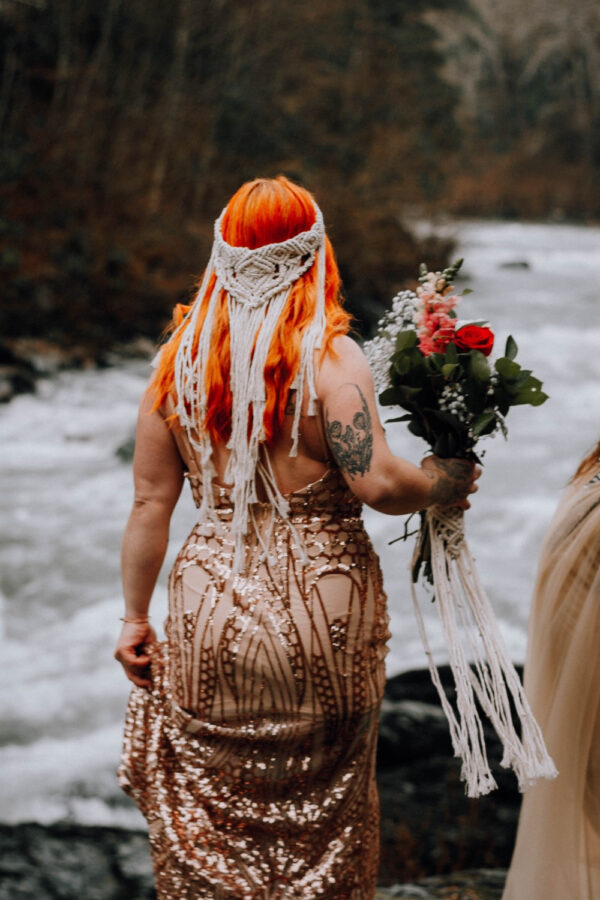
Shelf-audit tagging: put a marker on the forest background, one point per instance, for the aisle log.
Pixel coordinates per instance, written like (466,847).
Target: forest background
(125,125)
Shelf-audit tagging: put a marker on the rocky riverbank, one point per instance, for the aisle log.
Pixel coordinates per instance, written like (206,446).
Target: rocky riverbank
(428,825)
(74,862)
(24,361)
(435,842)
(77,862)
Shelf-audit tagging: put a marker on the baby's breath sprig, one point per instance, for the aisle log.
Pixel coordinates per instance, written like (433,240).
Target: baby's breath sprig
(439,371)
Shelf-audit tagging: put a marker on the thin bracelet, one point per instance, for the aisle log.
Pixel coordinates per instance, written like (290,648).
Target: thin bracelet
(141,621)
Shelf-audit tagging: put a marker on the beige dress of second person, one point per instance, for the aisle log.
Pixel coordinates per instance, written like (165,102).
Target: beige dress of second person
(557,853)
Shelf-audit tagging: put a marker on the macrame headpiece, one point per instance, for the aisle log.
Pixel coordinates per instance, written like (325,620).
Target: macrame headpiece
(258,283)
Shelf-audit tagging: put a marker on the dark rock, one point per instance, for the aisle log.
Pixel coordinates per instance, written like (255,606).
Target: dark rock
(17,374)
(16,379)
(474,884)
(24,360)
(74,862)
(410,730)
(428,824)
(126,450)
(138,348)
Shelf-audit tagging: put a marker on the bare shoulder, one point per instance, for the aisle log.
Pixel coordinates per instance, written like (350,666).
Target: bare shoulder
(345,347)
(345,356)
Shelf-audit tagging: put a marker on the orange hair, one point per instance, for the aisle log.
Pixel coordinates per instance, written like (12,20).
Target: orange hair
(264,211)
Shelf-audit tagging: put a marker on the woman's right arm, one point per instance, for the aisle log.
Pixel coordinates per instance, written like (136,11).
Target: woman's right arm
(356,437)
(158,477)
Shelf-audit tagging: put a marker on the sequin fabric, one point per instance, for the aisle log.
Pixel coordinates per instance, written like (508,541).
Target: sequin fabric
(253,756)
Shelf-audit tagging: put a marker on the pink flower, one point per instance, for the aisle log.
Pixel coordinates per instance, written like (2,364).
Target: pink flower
(426,345)
(437,339)
(435,326)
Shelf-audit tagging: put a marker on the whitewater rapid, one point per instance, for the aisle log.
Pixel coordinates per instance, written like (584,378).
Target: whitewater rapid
(65,497)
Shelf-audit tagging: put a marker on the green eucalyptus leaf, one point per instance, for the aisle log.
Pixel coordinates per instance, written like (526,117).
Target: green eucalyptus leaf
(388,397)
(451,355)
(540,397)
(502,399)
(435,362)
(479,368)
(448,420)
(511,347)
(475,394)
(406,418)
(448,369)
(401,364)
(406,340)
(530,397)
(507,368)
(441,446)
(406,393)
(453,445)
(484,424)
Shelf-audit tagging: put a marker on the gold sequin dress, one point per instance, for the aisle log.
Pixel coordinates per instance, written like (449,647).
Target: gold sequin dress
(253,757)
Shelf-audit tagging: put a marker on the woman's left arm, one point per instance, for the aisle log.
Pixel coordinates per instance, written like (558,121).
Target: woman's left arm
(158,477)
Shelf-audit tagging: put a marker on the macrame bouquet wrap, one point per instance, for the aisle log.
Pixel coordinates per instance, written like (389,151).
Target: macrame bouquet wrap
(437,370)
(258,283)
(479,661)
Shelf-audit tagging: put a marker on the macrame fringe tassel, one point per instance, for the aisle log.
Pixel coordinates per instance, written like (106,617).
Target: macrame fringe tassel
(189,384)
(312,340)
(471,632)
(257,283)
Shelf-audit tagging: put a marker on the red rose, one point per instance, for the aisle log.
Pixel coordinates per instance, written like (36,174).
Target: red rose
(474,337)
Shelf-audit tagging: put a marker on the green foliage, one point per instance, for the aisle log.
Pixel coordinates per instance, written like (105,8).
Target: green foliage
(454,398)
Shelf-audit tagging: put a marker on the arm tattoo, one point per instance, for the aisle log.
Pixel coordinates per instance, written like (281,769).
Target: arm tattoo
(352,446)
(452,482)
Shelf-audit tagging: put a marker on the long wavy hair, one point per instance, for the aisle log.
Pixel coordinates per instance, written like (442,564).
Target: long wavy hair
(263,211)
(588,463)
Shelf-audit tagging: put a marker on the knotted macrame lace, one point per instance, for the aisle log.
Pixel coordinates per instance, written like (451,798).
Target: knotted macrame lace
(258,283)
(480,664)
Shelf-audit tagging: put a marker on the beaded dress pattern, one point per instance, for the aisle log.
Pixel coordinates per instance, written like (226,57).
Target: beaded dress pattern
(253,756)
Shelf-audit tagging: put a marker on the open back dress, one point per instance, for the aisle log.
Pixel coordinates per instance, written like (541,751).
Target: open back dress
(253,756)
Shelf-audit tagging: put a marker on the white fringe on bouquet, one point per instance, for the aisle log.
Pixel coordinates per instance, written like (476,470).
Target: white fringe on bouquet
(479,662)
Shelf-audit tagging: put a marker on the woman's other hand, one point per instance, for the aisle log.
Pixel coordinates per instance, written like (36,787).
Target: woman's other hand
(453,480)
(132,651)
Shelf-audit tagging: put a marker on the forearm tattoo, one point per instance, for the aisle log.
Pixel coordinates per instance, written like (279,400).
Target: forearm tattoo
(352,446)
(451,481)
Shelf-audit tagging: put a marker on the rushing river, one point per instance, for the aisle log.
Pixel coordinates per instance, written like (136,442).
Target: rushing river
(65,497)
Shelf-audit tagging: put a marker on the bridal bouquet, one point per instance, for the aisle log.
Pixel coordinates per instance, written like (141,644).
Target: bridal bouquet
(437,368)
(425,360)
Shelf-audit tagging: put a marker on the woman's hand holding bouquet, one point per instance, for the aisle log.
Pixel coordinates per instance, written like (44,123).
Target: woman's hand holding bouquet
(438,369)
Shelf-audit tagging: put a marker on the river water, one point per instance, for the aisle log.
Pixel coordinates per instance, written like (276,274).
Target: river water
(65,497)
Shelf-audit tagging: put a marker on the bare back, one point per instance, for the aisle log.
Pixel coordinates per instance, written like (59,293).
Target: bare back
(291,472)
